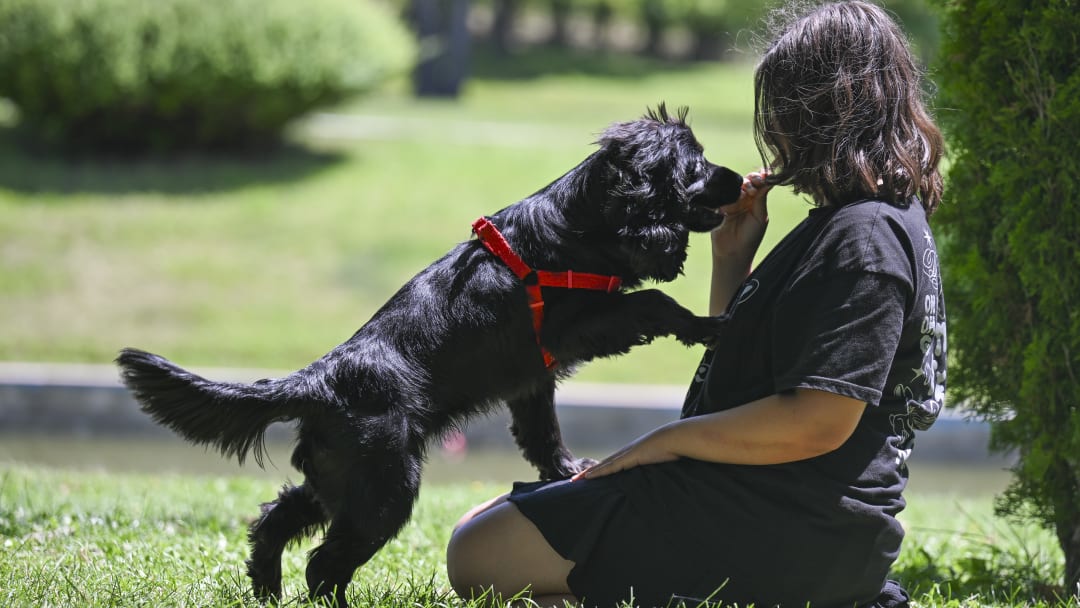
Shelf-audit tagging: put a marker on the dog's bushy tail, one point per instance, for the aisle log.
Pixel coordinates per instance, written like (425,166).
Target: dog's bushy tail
(231,417)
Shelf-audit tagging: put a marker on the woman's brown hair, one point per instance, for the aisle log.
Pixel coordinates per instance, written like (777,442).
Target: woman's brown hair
(838,110)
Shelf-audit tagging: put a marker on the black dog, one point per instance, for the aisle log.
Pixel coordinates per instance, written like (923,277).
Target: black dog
(475,329)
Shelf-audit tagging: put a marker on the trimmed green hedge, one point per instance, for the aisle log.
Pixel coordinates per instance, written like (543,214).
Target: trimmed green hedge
(132,74)
(1010,222)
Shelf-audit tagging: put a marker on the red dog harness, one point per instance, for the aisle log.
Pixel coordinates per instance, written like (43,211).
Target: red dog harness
(494,241)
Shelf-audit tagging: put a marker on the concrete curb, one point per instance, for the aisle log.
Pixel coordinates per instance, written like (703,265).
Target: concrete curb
(88,400)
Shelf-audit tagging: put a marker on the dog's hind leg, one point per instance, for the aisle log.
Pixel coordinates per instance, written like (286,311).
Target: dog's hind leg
(295,513)
(378,497)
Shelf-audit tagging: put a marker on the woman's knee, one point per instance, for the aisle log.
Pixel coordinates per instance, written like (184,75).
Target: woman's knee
(498,549)
(469,564)
(478,510)
(460,561)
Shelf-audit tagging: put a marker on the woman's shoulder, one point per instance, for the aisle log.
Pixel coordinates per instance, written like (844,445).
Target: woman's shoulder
(870,214)
(873,236)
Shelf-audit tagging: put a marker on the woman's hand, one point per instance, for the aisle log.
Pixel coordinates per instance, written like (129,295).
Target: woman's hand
(745,220)
(650,448)
(736,240)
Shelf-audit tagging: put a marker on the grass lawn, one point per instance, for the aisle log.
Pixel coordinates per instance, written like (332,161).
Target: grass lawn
(72,538)
(270,261)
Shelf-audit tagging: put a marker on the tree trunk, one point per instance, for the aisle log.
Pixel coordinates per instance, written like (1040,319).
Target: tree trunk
(442,28)
(1067,525)
(502,28)
(560,19)
(709,45)
(1070,544)
(602,15)
(655,18)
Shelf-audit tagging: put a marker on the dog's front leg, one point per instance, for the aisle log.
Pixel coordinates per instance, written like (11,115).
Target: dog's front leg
(536,431)
(625,321)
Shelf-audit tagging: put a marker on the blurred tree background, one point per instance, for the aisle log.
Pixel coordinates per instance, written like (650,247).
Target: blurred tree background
(130,76)
(674,30)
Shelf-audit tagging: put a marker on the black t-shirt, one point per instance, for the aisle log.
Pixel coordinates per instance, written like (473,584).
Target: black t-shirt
(849,302)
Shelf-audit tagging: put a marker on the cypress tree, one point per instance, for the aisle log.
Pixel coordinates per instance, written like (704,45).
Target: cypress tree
(1009,72)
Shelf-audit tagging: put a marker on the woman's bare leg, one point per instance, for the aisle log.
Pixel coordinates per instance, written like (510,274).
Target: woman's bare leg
(495,548)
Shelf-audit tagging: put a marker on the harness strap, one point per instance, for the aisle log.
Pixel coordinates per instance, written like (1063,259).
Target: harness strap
(534,280)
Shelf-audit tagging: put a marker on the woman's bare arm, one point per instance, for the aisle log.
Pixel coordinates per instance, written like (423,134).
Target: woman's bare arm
(779,428)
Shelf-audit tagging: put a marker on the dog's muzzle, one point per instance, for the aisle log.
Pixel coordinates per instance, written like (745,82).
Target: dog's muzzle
(722,187)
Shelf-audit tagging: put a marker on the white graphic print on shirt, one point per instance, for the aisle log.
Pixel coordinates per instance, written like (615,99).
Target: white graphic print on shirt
(925,392)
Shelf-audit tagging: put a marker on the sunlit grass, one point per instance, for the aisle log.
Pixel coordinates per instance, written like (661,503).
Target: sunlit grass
(95,539)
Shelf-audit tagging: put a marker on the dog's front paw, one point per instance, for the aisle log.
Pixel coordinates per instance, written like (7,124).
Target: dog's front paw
(265,581)
(566,469)
(703,330)
(580,464)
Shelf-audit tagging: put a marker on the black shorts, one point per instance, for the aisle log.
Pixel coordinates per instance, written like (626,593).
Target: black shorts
(690,531)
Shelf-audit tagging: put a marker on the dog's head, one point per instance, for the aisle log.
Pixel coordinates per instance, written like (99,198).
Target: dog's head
(659,188)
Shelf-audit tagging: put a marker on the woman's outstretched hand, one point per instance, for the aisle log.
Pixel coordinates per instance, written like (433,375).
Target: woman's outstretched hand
(648,449)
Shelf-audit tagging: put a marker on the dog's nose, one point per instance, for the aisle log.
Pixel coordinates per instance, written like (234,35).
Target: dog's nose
(724,186)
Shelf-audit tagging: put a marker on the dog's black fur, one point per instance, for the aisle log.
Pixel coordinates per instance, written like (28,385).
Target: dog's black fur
(455,341)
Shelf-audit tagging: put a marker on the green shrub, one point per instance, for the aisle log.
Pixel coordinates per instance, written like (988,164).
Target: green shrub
(1010,101)
(177,73)
(921,24)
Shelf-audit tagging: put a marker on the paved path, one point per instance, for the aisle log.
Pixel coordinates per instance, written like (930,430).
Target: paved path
(88,400)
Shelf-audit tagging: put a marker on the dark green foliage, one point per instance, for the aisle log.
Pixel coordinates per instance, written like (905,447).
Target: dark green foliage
(131,74)
(920,23)
(1010,101)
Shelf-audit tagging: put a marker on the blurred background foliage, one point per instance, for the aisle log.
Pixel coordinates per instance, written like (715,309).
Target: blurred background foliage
(676,30)
(130,76)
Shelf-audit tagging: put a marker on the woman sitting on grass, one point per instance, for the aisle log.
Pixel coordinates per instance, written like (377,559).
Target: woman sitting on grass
(781,482)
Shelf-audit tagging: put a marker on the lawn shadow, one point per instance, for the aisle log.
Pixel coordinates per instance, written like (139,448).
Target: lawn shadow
(32,172)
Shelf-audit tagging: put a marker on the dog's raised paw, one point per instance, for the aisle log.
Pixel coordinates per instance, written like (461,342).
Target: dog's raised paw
(567,469)
(703,331)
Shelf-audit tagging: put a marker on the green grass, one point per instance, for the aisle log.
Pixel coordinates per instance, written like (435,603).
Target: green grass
(94,539)
(270,261)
